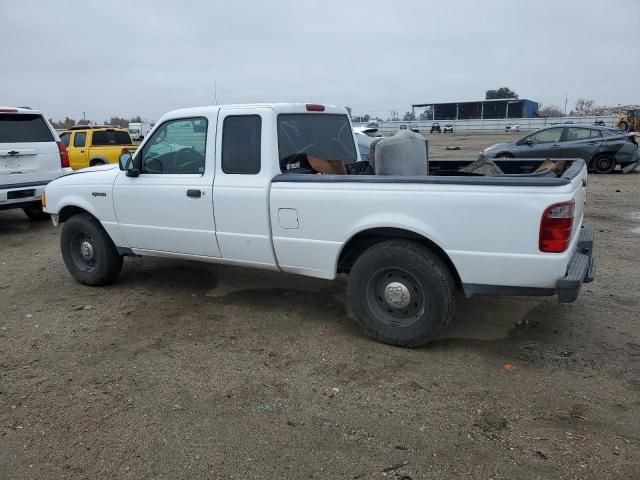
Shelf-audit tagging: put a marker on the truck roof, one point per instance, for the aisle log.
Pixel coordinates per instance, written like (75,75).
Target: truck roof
(19,110)
(276,107)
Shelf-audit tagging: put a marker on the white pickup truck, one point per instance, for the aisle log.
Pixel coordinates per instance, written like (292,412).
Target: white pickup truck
(240,185)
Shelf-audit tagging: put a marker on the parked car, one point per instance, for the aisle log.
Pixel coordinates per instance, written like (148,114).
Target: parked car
(599,123)
(31,155)
(414,128)
(448,128)
(364,142)
(404,245)
(435,128)
(602,148)
(369,130)
(139,130)
(512,127)
(96,145)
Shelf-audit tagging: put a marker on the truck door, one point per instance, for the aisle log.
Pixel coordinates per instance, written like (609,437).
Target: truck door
(78,150)
(169,206)
(245,146)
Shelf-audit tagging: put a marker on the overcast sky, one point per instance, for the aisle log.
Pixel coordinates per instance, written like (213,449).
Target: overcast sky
(146,57)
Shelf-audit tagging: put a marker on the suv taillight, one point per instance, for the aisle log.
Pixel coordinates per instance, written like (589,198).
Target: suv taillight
(64,155)
(556,227)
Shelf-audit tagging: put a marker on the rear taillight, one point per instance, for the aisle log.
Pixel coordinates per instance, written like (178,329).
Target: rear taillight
(64,155)
(556,227)
(8,110)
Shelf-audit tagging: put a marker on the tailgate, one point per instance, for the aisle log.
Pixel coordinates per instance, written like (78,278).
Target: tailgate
(28,150)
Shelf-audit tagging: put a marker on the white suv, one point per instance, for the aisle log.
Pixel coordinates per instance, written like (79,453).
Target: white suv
(31,155)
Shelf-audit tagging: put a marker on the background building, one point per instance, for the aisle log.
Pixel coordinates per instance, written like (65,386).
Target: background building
(481,109)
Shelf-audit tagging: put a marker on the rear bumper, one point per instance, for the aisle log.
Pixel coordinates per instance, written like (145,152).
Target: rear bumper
(19,195)
(581,268)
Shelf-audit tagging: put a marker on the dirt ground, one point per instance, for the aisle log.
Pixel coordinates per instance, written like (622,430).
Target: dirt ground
(195,371)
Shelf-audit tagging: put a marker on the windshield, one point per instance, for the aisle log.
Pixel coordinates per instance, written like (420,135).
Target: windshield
(134,131)
(325,136)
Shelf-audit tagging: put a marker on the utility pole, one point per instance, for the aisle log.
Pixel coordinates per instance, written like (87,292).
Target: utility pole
(84,119)
(566,99)
(215,93)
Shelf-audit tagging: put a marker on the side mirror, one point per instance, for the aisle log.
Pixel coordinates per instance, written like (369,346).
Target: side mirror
(127,165)
(529,141)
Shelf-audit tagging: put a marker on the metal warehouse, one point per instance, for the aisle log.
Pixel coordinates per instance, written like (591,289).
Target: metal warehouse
(481,109)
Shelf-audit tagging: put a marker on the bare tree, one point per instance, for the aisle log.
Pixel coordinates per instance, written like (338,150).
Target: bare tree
(583,107)
(550,111)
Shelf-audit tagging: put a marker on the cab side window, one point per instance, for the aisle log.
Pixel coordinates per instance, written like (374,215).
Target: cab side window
(241,144)
(177,146)
(65,137)
(79,139)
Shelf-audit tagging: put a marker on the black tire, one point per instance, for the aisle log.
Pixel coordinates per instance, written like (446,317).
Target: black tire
(504,155)
(383,310)
(36,214)
(605,163)
(624,126)
(88,252)
(94,163)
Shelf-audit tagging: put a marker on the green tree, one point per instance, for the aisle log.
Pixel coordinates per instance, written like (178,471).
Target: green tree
(502,92)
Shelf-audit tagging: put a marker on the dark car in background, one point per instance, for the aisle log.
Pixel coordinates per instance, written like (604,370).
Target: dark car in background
(435,127)
(602,148)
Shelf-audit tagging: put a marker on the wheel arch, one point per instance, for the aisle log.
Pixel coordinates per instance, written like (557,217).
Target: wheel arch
(95,160)
(69,211)
(365,239)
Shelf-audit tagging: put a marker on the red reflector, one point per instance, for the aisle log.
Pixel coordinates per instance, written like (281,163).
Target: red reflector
(556,227)
(314,107)
(8,110)
(64,155)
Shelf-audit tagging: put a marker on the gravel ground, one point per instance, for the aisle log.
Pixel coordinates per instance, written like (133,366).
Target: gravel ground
(184,370)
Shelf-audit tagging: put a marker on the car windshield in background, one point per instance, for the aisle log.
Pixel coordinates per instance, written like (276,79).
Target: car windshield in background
(17,128)
(111,137)
(325,136)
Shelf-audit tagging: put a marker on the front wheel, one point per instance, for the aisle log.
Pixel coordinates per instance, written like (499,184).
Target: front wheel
(401,293)
(88,252)
(623,126)
(604,164)
(505,155)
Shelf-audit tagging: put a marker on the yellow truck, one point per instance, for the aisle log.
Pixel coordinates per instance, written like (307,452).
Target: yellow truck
(91,145)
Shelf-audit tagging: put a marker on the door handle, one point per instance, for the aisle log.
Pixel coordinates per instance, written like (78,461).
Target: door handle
(194,193)
(81,151)
(555,146)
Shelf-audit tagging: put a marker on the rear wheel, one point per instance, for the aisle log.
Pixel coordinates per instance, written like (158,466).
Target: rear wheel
(604,163)
(401,293)
(35,213)
(94,163)
(88,252)
(623,126)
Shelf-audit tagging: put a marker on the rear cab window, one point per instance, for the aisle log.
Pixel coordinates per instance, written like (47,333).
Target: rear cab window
(24,128)
(325,136)
(241,144)
(103,138)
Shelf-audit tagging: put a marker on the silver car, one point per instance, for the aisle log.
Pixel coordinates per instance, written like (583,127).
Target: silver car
(602,148)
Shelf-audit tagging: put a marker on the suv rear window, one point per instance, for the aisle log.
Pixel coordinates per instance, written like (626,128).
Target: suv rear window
(18,128)
(326,136)
(111,137)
